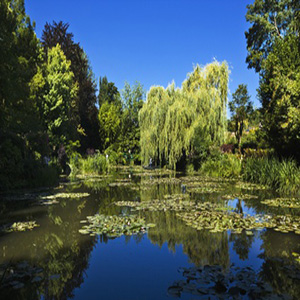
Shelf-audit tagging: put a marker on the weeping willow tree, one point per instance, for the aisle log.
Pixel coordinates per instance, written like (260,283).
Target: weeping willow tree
(174,120)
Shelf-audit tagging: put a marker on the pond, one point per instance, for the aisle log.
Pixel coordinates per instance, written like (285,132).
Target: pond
(171,236)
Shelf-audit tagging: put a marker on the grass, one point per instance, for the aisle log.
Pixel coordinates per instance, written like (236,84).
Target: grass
(281,175)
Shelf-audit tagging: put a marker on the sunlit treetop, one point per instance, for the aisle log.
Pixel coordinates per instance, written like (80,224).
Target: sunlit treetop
(270,20)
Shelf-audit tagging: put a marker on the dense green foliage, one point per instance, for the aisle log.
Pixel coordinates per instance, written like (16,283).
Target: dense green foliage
(118,118)
(59,98)
(227,166)
(241,109)
(180,121)
(274,51)
(95,164)
(48,104)
(283,176)
(270,20)
(22,139)
(84,106)
(49,107)
(133,100)
(110,123)
(279,91)
(108,92)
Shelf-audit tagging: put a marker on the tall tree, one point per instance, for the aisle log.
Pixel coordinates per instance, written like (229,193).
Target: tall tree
(19,122)
(132,103)
(171,119)
(273,50)
(110,114)
(19,54)
(110,125)
(87,112)
(108,92)
(59,98)
(270,19)
(279,93)
(241,108)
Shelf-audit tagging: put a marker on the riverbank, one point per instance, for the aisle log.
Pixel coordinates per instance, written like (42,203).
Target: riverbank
(283,176)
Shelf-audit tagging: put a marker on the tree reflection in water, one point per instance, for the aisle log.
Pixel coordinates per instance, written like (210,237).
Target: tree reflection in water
(202,247)
(50,260)
(53,258)
(242,244)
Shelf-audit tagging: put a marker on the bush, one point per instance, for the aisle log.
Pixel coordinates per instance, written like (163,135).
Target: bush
(95,164)
(21,167)
(113,157)
(225,165)
(45,176)
(74,163)
(289,177)
(189,169)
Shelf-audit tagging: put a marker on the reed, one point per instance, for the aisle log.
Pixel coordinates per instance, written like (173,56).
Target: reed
(280,175)
(283,176)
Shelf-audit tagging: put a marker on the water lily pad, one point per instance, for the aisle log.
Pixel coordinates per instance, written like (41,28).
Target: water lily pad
(171,204)
(206,190)
(296,256)
(283,202)
(249,186)
(114,226)
(17,276)
(239,196)
(218,221)
(37,279)
(162,180)
(65,195)
(121,183)
(19,226)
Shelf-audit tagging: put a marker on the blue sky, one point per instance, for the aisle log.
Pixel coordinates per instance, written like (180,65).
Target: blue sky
(154,41)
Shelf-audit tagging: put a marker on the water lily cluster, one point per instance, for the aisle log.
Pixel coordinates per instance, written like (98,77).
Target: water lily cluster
(114,226)
(283,202)
(19,226)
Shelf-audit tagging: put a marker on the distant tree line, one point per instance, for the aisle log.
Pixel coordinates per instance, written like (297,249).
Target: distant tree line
(50,108)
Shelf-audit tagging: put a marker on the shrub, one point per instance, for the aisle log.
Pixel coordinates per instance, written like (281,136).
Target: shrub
(74,163)
(45,176)
(226,165)
(189,169)
(95,164)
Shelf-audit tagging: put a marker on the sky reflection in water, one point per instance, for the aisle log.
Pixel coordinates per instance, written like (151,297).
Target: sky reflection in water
(140,266)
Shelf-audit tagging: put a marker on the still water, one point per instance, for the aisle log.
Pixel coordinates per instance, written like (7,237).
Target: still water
(171,260)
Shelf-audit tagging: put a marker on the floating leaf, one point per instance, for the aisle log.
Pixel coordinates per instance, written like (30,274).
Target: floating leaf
(19,226)
(114,226)
(283,202)
(65,195)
